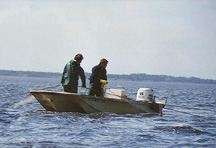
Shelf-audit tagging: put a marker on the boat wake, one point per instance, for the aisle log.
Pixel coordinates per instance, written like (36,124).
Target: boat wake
(23,102)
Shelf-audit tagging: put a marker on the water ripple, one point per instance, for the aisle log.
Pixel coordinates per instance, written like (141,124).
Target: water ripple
(188,118)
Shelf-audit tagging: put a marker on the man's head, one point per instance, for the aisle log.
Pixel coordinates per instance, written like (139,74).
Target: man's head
(78,58)
(103,63)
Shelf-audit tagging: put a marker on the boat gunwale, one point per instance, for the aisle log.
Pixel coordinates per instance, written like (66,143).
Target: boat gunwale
(80,95)
(96,97)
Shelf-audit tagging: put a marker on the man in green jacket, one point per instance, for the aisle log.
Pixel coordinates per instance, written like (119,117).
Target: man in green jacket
(71,73)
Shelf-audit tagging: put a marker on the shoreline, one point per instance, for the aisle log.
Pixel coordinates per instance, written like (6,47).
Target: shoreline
(112,79)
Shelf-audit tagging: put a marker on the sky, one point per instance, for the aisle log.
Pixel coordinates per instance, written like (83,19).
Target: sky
(167,37)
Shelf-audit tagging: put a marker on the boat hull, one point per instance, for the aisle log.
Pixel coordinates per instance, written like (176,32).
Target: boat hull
(71,102)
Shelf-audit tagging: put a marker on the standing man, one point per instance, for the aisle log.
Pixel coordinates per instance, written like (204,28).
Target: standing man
(71,73)
(98,78)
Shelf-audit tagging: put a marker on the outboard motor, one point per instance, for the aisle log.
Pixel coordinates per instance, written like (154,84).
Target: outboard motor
(145,94)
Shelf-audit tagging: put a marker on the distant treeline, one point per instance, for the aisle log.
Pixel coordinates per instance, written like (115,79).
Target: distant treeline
(132,77)
(29,73)
(162,78)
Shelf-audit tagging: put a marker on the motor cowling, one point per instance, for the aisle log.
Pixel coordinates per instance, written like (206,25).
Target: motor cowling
(145,95)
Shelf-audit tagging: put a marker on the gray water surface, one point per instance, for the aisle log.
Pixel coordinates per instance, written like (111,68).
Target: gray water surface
(188,118)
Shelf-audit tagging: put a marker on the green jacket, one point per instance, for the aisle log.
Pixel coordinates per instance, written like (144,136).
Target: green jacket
(71,73)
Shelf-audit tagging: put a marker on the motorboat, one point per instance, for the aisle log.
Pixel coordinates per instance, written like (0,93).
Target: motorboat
(114,101)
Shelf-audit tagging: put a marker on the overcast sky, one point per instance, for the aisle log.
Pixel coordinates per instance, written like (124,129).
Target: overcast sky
(173,37)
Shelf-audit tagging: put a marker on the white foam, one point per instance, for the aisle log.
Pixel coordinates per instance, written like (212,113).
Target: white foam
(23,102)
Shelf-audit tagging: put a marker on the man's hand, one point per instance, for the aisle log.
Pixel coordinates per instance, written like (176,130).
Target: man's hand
(103,82)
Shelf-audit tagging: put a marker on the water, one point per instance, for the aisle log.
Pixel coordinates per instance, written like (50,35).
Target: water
(188,118)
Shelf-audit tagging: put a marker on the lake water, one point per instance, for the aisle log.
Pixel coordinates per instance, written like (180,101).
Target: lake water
(188,118)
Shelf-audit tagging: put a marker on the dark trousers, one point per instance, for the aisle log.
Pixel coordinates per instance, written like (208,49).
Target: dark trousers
(71,89)
(95,91)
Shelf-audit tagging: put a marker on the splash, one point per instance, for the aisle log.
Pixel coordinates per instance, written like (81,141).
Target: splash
(23,102)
